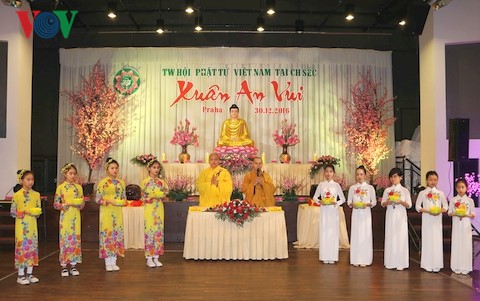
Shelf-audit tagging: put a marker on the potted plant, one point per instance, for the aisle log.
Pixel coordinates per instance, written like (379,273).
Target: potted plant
(97,118)
(179,187)
(184,136)
(290,187)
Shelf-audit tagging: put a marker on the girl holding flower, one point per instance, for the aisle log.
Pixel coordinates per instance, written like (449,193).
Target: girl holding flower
(397,200)
(111,198)
(153,192)
(69,200)
(431,203)
(26,208)
(329,196)
(462,210)
(361,197)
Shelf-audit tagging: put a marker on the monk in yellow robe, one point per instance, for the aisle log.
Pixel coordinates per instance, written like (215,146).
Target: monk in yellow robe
(235,131)
(258,186)
(214,184)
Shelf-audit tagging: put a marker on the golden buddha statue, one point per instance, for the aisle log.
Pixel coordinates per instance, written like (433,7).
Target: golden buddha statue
(235,131)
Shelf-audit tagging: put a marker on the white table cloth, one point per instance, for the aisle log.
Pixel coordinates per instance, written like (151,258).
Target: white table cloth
(133,227)
(308,227)
(207,237)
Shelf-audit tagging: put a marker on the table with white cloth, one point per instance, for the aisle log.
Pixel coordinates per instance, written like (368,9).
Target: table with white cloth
(264,238)
(308,227)
(275,170)
(133,227)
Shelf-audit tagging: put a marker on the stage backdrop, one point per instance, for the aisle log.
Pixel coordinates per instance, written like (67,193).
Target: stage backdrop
(303,85)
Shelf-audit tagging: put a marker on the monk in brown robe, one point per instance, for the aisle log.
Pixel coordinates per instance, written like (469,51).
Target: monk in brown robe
(258,186)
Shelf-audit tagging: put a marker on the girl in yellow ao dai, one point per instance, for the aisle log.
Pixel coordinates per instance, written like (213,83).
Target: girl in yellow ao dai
(111,197)
(26,232)
(69,200)
(153,191)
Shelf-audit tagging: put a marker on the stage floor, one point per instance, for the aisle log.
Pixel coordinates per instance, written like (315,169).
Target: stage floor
(300,277)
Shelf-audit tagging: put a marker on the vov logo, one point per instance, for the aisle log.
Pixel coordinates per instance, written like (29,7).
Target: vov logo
(47,24)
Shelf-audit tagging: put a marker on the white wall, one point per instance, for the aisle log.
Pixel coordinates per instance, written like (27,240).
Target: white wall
(15,149)
(456,23)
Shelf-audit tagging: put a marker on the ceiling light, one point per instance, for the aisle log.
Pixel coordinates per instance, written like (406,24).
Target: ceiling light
(112,10)
(14,3)
(349,8)
(299,25)
(198,23)
(402,22)
(160,26)
(270,7)
(189,6)
(437,4)
(260,24)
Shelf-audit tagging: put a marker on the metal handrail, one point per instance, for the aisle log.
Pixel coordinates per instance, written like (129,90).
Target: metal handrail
(414,170)
(412,233)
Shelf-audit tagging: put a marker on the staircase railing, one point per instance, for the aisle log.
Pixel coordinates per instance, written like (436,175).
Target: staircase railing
(411,173)
(414,237)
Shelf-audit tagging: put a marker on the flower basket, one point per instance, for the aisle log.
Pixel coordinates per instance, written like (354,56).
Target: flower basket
(180,187)
(290,186)
(237,212)
(435,210)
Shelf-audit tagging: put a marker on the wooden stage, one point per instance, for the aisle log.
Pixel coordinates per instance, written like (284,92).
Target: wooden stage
(300,277)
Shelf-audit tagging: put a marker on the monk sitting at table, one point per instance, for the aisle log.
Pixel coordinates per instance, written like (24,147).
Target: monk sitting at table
(235,130)
(258,186)
(214,184)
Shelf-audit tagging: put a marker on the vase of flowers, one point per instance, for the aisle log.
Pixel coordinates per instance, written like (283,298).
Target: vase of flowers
(285,156)
(179,187)
(284,138)
(290,187)
(184,156)
(184,136)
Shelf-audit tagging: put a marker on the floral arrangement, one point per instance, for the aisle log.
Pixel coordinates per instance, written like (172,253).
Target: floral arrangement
(237,193)
(236,159)
(473,184)
(97,118)
(179,187)
(394,196)
(286,136)
(184,136)
(236,211)
(360,193)
(236,163)
(328,198)
(460,208)
(290,186)
(142,160)
(321,163)
(368,119)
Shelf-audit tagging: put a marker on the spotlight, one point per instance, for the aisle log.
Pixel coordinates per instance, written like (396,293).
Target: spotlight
(189,6)
(270,7)
(299,26)
(198,23)
(402,22)
(112,10)
(160,26)
(349,8)
(260,24)
(14,3)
